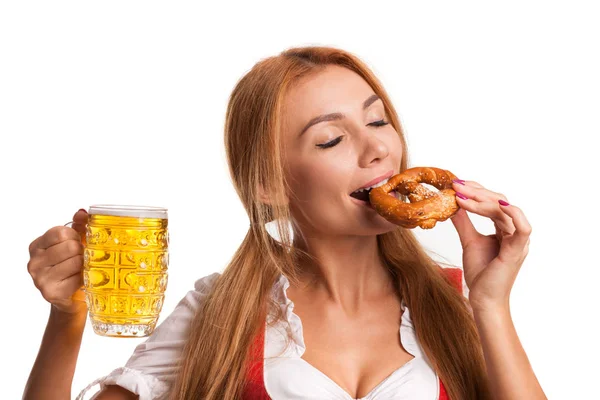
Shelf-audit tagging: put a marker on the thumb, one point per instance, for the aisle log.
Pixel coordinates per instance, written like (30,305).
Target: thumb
(464,227)
(80,220)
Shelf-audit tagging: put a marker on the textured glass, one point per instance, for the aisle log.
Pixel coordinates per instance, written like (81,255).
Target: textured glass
(125,273)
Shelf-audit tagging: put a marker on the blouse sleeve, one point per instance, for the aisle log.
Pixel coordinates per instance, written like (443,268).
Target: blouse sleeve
(152,367)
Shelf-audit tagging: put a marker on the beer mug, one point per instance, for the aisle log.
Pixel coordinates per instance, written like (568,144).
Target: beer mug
(125,268)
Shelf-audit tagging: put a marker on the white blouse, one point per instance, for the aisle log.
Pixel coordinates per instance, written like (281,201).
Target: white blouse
(151,369)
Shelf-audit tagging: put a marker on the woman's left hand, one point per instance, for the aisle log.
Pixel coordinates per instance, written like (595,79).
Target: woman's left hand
(490,262)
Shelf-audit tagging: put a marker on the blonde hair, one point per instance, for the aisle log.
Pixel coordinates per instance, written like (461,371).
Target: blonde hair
(215,357)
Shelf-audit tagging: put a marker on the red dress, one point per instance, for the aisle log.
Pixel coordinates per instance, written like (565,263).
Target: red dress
(255,385)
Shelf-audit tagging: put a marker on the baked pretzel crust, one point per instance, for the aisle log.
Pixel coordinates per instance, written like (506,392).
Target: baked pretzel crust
(426,207)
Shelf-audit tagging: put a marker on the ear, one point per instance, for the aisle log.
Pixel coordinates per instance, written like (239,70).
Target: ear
(264,197)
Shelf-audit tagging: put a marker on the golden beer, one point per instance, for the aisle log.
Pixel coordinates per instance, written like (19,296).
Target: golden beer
(125,268)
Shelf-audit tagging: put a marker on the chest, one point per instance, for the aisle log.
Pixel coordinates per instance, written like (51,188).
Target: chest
(356,352)
(361,371)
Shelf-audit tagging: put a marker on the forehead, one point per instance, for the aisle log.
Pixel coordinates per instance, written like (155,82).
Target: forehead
(333,89)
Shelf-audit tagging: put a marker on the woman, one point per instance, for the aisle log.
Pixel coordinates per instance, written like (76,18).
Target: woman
(350,305)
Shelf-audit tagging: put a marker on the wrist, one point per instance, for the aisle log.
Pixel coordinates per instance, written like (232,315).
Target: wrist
(72,316)
(486,305)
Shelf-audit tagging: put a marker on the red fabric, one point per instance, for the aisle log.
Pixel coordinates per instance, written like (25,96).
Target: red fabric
(255,385)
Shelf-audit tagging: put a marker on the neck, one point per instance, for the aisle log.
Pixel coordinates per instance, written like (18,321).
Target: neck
(347,271)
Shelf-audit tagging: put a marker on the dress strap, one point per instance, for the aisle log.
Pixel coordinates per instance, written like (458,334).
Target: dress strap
(455,276)
(443,394)
(255,384)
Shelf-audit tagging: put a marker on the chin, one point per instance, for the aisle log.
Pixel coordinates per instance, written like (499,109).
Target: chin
(376,227)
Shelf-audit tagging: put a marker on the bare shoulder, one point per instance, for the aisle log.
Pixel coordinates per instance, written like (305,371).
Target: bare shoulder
(113,392)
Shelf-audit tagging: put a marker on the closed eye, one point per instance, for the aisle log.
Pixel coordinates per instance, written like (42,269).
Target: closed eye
(335,141)
(379,123)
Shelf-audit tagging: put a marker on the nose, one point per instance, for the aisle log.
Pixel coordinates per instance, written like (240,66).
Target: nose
(372,148)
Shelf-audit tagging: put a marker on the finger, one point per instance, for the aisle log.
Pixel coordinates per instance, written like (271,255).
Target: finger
(44,259)
(80,219)
(520,238)
(34,246)
(464,227)
(477,192)
(62,251)
(57,235)
(65,269)
(72,284)
(487,209)
(80,229)
(58,290)
(467,183)
(35,267)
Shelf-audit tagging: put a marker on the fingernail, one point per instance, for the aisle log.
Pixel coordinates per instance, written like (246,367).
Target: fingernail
(462,196)
(459,181)
(82,209)
(503,203)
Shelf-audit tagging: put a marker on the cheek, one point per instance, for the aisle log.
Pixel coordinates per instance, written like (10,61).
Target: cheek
(317,184)
(397,144)
(393,139)
(310,184)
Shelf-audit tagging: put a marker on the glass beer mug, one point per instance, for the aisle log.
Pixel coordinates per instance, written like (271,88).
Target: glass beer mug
(125,268)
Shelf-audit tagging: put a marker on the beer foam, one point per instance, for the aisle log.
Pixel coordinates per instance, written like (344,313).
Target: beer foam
(128,211)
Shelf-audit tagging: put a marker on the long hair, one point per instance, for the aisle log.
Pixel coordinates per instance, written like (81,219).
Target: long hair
(214,359)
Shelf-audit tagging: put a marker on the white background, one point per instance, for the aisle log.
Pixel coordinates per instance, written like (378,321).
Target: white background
(124,102)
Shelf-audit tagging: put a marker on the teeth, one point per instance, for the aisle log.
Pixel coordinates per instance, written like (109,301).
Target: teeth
(383,182)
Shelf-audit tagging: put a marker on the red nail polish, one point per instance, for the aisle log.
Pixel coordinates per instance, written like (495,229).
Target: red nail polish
(462,196)
(503,203)
(459,181)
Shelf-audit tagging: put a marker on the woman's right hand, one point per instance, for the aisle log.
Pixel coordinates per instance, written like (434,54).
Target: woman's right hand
(56,265)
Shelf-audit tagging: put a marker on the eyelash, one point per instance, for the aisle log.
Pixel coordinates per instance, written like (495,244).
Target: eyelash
(376,124)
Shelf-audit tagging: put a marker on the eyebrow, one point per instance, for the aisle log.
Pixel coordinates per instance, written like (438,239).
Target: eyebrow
(337,116)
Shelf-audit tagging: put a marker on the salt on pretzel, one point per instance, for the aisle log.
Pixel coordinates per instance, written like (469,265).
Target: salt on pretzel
(426,207)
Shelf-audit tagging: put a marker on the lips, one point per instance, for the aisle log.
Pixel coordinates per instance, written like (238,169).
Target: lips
(375,180)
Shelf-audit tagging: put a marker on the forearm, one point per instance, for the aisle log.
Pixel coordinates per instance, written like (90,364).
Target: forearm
(52,373)
(510,373)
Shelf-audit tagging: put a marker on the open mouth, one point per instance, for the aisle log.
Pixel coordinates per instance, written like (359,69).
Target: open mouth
(363,195)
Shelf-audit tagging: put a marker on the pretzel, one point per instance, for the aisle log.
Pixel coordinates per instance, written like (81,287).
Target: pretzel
(426,207)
